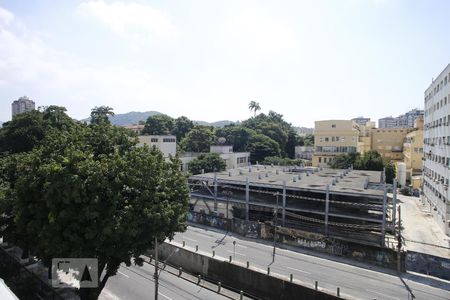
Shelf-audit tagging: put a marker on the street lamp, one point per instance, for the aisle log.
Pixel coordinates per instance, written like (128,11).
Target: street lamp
(275,215)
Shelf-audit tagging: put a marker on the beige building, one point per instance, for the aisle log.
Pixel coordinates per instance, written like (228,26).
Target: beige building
(413,153)
(389,142)
(333,137)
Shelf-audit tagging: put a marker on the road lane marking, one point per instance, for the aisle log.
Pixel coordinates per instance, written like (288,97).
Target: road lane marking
(381,294)
(245,247)
(204,234)
(164,296)
(294,269)
(123,274)
(192,240)
(236,253)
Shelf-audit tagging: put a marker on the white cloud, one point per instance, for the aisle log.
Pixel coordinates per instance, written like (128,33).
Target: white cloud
(29,66)
(6,17)
(127,19)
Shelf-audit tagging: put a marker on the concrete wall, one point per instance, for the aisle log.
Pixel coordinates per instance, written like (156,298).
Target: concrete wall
(428,264)
(383,257)
(253,281)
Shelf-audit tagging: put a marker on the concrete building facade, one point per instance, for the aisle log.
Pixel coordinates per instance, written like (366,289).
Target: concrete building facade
(403,121)
(232,159)
(436,170)
(413,154)
(333,137)
(361,120)
(304,152)
(167,144)
(389,142)
(21,105)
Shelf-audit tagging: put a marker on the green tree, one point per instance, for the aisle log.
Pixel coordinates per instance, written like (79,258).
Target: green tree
(182,126)
(371,160)
(210,162)
(344,161)
(261,146)
(280,161)
(308,140)
(390,172)
(101,114)
(199,139)
(158,125)
(80,195)
(236,135)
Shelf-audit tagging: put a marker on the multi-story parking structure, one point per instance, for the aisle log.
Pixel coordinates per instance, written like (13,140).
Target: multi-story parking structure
(346,204)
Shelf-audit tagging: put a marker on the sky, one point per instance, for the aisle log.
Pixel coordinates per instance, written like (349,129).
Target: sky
(207,59)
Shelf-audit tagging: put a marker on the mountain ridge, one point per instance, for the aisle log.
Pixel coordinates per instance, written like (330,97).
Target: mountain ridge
(134,117)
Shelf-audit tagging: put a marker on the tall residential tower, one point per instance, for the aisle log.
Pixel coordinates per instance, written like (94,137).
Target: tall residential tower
(23,104)
(437,148)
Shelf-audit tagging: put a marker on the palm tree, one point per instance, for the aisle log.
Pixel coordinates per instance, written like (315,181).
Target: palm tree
(253,105)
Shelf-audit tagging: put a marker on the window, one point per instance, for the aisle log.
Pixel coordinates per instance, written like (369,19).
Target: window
(326,139)
(320,160)
(333,125)
(154,140)
(168,140)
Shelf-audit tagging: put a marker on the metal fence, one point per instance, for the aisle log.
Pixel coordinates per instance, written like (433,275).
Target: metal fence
(24,283)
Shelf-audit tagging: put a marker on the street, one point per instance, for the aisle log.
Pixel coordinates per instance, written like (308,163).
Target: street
(137,283)
(354,282)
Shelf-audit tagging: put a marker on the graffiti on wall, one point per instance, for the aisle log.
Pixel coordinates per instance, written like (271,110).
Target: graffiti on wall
(208,220)
(428,264)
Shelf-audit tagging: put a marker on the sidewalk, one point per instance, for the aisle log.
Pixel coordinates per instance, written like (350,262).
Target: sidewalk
(421,232)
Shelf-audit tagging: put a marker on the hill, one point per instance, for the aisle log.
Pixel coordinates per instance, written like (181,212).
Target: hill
(134,117)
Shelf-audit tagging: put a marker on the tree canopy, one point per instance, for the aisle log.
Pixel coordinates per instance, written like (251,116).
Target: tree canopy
(199,139)
(158,125)
(88,191)
(210,162)
(371,160)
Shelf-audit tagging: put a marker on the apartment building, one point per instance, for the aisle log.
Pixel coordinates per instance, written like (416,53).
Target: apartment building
(361,120)
(167,144)
(403,121)
(304,152)
(21,105)
(333,137)
(389,142)
(232,159)
(436,168)
(413,154)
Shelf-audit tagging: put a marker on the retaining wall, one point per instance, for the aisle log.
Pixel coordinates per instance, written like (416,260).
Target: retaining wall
(428,264)
(239,277)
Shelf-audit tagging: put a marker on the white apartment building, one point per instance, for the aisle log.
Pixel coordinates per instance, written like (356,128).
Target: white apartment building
(167,144)
(436,169)
(233,160)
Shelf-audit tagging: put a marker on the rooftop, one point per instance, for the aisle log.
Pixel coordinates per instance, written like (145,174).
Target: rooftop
(300,178)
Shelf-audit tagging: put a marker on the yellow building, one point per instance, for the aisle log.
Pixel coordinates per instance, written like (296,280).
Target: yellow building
(389,142)
(413,151)
(333,137)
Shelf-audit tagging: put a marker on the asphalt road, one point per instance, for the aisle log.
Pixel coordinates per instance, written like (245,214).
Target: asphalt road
(136,283)
(354,282)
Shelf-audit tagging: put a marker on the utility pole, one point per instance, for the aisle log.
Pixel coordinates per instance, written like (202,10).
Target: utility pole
(234,250)
(275,229)
(399,241)
(156,269)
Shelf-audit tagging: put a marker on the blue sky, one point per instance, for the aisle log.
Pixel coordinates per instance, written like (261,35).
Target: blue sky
(206,59)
